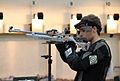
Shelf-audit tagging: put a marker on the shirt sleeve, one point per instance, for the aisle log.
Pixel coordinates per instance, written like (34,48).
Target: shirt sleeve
(61,49)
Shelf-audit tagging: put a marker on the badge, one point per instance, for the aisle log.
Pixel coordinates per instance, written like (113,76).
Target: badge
(68,52)
(93,59)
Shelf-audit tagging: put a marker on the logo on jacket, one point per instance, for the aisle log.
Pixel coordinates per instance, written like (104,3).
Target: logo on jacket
(93,59)
(68,52)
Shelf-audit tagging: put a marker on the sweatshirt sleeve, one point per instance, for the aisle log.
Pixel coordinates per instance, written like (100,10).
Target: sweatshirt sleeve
(61,49)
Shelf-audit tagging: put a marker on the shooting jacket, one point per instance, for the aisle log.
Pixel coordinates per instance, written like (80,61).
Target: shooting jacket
(90,65)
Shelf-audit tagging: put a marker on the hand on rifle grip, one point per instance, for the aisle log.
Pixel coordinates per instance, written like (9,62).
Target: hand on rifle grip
(52,32)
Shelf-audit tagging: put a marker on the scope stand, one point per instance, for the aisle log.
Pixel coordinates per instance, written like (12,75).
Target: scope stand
(49,59)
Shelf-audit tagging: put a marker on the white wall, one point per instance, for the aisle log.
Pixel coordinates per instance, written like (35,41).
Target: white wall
(114,46)
(21,56)
(56,15)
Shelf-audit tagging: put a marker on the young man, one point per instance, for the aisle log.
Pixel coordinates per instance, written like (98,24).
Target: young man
(91,64)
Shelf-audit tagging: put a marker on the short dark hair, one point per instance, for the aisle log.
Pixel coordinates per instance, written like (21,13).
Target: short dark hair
(90,20)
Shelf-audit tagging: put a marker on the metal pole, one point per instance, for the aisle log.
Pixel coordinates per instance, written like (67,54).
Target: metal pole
(49,62)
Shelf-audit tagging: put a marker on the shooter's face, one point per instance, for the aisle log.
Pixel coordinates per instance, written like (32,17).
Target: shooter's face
(86,32)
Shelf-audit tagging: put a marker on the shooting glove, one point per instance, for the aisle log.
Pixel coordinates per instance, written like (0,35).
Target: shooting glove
(81,43)
(84,46)
(70,48)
